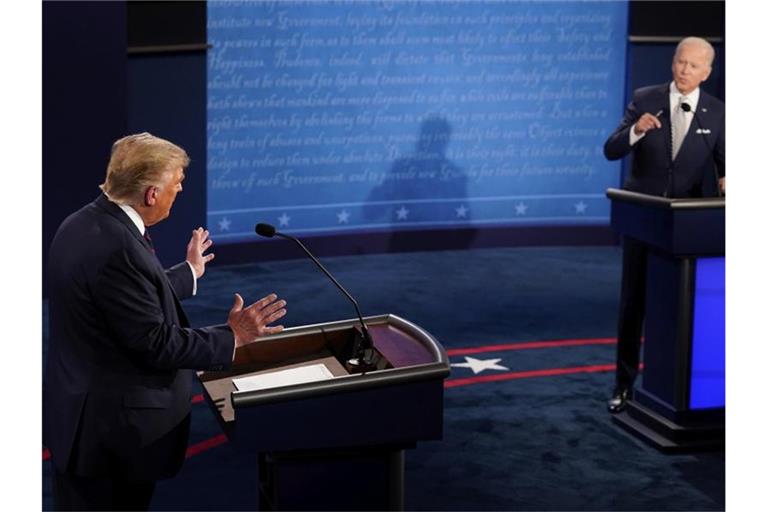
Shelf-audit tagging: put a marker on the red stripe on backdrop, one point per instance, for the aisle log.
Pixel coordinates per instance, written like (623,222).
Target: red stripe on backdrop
(206,445)
(46,454)
(452,383)
(530,345)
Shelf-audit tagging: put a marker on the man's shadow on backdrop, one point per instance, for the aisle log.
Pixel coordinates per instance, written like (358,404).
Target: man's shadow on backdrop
(425,175)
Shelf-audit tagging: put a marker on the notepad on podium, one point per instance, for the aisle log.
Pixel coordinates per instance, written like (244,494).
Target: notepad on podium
(291,376)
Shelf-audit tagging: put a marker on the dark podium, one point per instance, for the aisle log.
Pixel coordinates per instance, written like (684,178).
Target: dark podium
(680,404)
(336,443)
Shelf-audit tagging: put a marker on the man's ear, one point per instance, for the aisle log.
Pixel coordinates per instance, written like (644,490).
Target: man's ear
(150,196)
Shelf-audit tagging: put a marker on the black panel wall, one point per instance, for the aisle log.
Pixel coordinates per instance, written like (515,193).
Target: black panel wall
(84,103)
(107,72)
(677,19)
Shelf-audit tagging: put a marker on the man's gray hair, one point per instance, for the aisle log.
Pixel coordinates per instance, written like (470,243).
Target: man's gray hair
(701,43)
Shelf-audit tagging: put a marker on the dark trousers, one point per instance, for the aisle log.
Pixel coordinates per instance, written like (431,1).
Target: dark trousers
(631,311)
(73,492)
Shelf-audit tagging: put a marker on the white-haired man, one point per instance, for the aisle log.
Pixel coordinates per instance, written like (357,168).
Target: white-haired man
(672,156)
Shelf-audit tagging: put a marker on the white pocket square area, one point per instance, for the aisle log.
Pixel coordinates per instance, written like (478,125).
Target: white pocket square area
(703,130)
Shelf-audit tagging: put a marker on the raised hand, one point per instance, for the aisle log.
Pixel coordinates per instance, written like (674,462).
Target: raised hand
(646,123)
(252,322)
(198,244)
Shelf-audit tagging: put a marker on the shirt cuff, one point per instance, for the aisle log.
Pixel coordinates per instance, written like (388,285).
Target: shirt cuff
(194,279)
(633,137)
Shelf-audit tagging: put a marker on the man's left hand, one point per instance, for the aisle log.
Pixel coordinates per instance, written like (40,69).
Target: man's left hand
(721,182)
(198,244)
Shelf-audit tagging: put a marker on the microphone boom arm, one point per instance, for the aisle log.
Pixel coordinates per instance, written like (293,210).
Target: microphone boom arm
(364,356)
(366,336)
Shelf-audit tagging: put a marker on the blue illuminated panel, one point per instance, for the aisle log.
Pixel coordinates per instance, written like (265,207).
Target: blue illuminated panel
(708,344)
(329,117)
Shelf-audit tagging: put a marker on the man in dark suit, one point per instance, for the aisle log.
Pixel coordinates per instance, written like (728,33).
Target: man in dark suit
(118,378)
(675,133)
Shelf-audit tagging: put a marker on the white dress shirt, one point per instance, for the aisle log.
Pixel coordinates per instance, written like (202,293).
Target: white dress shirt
(674,98)
(136,218)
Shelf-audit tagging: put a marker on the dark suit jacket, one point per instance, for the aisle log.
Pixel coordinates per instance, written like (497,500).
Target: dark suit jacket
(691,174)
(117,387)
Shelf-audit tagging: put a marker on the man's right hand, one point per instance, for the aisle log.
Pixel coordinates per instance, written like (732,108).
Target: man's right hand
(646,123)
(252,322)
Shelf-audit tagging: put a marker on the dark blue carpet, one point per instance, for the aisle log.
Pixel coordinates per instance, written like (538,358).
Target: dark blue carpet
(539,443)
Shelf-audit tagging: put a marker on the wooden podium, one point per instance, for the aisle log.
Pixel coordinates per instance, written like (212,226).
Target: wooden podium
(336,443)
(680,404)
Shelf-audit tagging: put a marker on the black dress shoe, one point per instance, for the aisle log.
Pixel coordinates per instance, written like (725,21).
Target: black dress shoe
(619,400)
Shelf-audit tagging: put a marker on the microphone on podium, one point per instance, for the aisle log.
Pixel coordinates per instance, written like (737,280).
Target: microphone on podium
(364,357)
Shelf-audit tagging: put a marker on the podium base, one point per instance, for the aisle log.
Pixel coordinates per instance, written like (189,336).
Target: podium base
(667,435)
(369,478)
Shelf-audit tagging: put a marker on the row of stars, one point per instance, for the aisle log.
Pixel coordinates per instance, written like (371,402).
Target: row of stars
(402,214)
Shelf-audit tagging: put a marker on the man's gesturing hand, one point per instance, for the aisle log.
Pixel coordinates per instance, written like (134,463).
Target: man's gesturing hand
(198,244)
(253,322)
(646,123)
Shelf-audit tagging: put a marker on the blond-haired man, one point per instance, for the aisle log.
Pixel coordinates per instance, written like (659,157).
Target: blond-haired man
(118,377)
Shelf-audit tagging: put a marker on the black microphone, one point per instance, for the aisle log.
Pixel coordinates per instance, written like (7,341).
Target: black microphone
(364,358)
(265,230)
(687,108)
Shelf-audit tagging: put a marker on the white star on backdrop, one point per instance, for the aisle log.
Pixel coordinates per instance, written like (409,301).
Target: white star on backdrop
(284,219)
(479,365)
(224,224)
(521,208)
(402,213)
(581,207)
(461,211)
(343,216)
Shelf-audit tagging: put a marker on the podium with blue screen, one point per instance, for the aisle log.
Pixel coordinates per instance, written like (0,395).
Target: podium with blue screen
(680,404)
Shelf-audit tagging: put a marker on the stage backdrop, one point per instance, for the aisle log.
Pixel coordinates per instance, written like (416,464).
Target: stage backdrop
(330,117)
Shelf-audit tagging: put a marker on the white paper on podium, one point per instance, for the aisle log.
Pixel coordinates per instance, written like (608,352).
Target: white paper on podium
(300,375)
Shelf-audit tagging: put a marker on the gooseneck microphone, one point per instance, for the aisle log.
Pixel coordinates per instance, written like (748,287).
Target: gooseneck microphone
(363,355)
(687,108)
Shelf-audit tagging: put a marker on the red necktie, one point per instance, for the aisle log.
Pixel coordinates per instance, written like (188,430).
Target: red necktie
(149,241)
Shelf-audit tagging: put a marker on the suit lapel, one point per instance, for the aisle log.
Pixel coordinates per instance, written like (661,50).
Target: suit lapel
(114,210)
(702,111)
(666,119)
